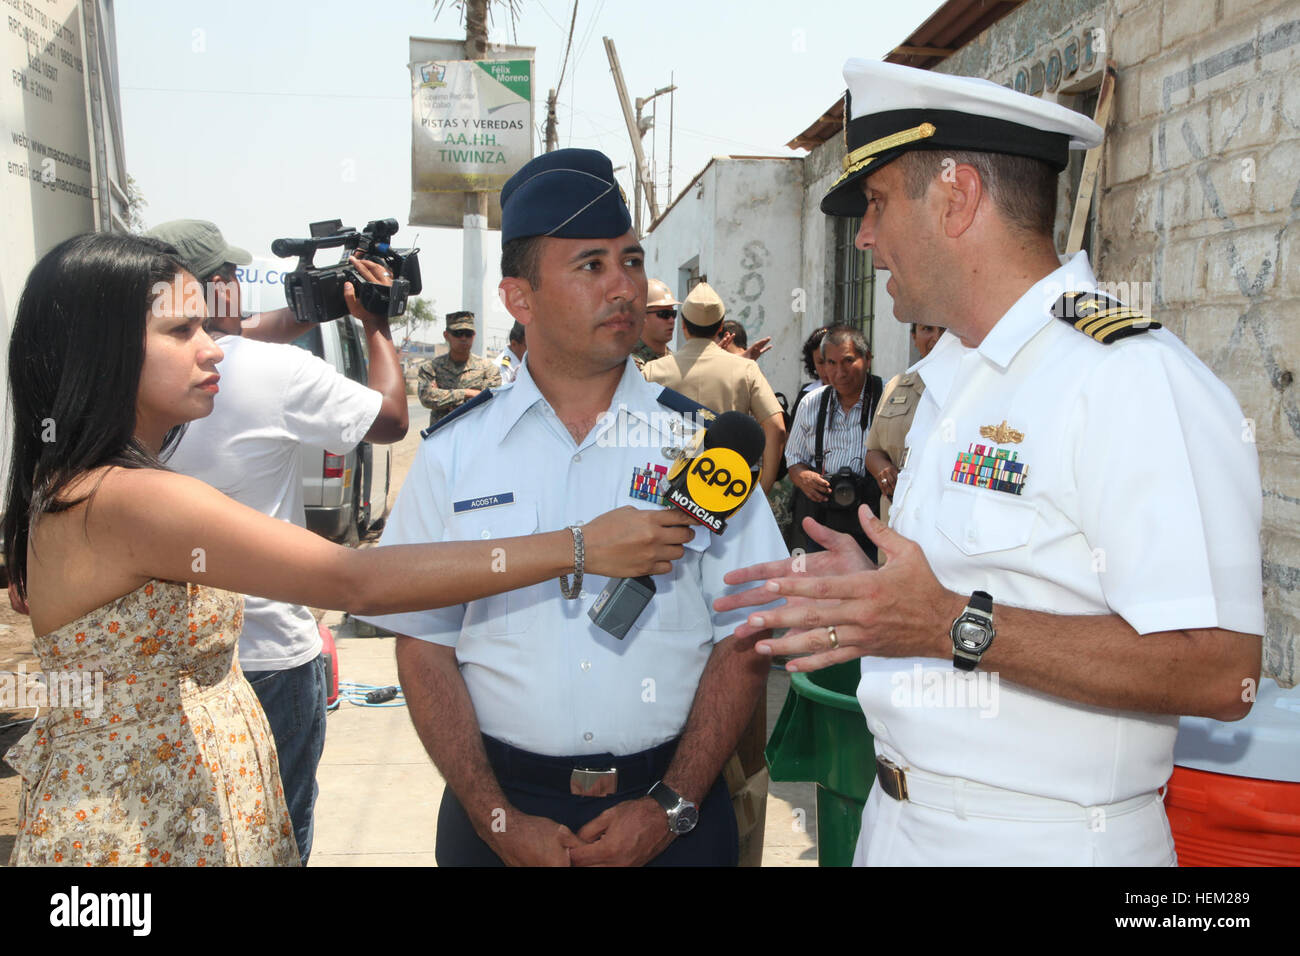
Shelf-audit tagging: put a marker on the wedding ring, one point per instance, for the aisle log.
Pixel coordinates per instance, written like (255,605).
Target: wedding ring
(835,641)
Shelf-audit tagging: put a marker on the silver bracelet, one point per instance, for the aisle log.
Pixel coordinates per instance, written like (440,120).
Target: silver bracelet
(579,553)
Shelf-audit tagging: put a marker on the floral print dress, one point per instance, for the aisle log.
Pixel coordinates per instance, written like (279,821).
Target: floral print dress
(173,764)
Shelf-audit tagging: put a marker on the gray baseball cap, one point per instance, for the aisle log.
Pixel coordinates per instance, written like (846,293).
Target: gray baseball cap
(202,247)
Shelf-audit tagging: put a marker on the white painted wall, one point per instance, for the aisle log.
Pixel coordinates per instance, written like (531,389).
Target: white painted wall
(741,221)
(892,350)
(755,230)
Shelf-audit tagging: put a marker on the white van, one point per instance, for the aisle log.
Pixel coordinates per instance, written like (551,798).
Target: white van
(346,496)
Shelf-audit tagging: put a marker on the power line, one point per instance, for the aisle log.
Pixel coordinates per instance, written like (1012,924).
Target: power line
(335,96)
(572,22)
(586,37)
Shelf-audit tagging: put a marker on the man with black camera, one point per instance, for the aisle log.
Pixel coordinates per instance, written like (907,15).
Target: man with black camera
(826,451)
(275,399)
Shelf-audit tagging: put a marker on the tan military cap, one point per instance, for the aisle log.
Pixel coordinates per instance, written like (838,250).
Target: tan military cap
(703,307)
(460,320)
(659,296)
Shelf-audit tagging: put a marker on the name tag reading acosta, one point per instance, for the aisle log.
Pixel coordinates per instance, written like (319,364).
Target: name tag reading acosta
(486,501)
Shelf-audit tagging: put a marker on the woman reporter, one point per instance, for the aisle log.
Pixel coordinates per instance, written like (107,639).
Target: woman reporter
(125,568)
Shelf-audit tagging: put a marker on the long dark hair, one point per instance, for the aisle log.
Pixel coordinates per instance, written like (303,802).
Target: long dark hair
(75,356)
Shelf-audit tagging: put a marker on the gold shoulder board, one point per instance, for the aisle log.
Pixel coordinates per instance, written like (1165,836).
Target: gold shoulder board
(1100,316)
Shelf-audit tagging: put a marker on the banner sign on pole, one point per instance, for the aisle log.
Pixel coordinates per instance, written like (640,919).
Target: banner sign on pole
(471,129)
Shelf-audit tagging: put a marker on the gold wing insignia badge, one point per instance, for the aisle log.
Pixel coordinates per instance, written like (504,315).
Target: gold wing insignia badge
(1001,434)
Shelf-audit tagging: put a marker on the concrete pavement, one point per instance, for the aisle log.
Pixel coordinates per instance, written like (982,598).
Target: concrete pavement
(379,792)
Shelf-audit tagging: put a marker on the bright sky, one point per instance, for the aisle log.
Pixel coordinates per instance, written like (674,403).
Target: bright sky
(265,116)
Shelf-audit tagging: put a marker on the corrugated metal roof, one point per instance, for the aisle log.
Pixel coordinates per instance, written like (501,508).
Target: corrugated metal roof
(947,30)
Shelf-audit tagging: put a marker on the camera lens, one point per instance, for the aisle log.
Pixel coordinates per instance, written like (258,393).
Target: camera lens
(843,493)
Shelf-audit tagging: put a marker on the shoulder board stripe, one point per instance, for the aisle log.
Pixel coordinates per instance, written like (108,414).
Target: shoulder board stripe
(1084,311)
(1108,333)
(686,406)
(482,398)
(1095,321)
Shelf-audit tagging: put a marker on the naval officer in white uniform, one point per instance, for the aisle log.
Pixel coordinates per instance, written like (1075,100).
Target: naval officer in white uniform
(1074,554)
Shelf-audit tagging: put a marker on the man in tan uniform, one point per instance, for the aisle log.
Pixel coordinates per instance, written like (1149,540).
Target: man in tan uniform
(887,437)
(719,380)
(660,320)
(449,381)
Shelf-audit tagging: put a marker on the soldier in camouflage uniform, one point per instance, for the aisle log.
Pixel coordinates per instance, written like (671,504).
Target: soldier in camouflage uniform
(660,322)
(450,380)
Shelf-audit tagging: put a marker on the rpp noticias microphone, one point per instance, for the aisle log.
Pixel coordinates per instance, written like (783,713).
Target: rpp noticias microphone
(708,482)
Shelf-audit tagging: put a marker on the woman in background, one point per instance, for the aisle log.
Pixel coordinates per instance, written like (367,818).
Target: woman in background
(133,574)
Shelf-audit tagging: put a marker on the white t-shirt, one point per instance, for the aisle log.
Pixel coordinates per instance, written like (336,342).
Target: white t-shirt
(273,400)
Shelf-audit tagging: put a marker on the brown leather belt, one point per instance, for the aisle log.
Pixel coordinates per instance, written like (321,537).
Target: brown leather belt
(891,778)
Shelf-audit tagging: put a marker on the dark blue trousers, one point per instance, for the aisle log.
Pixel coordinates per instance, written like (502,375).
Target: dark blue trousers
(294,701)
(713,842)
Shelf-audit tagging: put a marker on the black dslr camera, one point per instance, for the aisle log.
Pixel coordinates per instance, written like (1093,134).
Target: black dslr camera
(316,294)
(846,491)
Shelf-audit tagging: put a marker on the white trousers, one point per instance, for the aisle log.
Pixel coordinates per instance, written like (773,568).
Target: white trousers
(948,821)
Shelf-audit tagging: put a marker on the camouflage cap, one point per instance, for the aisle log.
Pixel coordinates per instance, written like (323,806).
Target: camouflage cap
(460,320)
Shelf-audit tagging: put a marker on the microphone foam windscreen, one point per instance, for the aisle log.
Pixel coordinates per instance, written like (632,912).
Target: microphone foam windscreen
(740,433)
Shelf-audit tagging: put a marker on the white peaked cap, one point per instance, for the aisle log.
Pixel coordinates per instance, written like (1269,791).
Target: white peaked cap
(891,109)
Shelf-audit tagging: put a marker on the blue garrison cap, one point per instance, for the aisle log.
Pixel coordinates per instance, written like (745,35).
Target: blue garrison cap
(567,194)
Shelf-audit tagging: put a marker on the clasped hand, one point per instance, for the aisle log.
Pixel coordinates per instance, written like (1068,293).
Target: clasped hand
(631,833)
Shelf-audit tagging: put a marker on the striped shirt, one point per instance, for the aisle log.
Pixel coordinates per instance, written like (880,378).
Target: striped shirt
(843,443)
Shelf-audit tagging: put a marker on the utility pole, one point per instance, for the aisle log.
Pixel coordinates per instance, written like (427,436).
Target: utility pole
(552,133)
(474,225)
(643,126)
(635,131)
(671,103)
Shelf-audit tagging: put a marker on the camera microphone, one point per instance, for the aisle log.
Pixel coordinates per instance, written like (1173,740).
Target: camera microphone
(284,248)
(710,485)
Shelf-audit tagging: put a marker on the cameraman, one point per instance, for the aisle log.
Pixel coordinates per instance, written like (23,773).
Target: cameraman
(826,448)
(275,399)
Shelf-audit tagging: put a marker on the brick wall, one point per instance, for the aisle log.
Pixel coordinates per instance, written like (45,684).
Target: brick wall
(1199,195)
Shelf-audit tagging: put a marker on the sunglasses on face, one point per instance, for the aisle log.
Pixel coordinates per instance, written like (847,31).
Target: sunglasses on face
(462,333)
(664,313)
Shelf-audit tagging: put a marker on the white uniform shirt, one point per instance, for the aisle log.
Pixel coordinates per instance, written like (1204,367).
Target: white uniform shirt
(541,675)
(1141,497)
(273,400)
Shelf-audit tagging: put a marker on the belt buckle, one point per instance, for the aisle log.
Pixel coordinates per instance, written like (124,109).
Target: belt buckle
(891,778)
(584,782)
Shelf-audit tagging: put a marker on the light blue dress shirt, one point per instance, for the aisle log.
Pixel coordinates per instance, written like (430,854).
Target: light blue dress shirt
(541,675)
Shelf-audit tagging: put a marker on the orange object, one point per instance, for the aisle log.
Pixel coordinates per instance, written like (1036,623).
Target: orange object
(1221,820)
(331,653)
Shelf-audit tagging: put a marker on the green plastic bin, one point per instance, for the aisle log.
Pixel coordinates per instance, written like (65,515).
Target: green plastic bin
(821,736)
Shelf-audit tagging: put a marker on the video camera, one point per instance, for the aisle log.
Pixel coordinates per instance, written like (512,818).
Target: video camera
(316,294)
